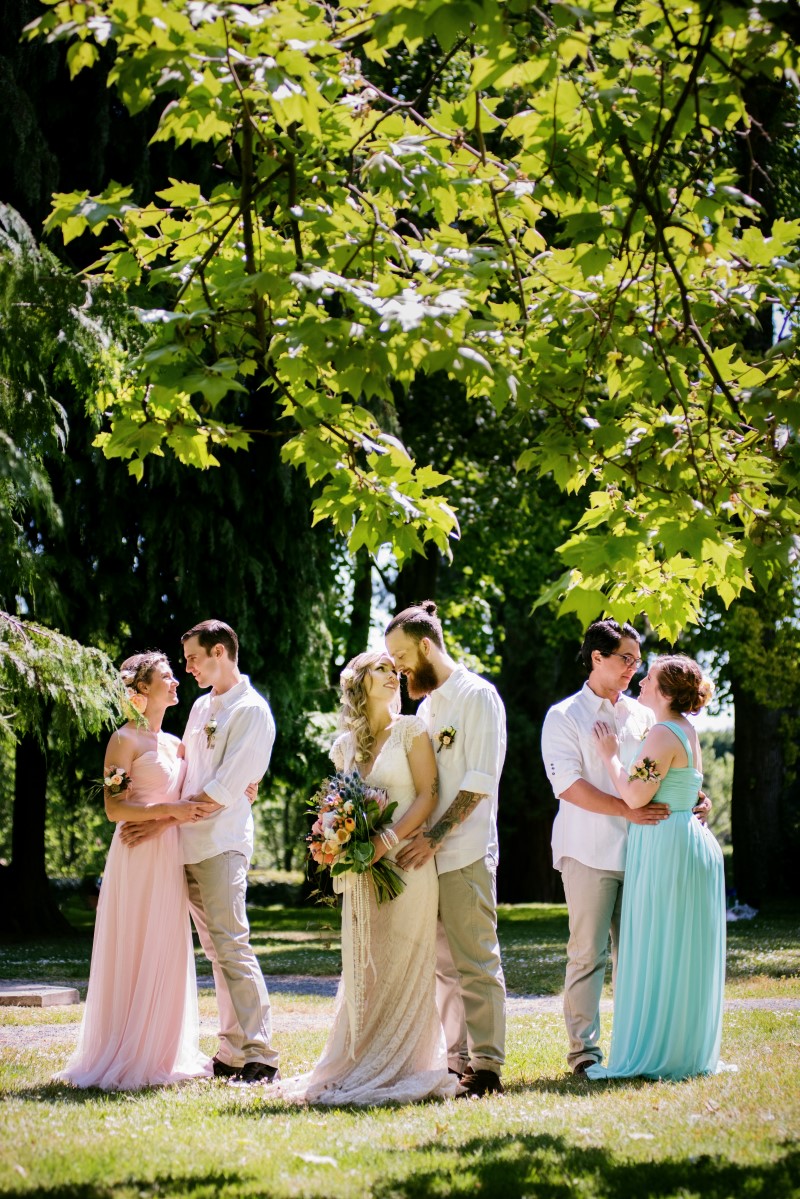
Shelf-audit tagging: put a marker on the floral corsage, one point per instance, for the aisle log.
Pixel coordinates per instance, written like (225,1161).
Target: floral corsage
(647,771)
(210,730)
(116,780)
(445,737)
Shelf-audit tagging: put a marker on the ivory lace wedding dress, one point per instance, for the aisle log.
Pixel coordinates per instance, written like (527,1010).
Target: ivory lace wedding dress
(397,1054)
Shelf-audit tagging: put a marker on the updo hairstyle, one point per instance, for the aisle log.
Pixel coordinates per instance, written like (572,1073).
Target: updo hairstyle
(418,621)
(682,681)
(353,713)
(139,668)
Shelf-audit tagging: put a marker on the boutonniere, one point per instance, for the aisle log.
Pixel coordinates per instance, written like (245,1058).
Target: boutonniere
(210,730)
(445,737)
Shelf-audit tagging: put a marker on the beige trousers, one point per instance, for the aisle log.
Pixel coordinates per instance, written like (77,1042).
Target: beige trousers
(594,903)
(470,988)
(217,889)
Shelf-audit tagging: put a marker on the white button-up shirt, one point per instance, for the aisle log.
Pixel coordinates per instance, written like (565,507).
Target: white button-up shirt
(570,753)
(473,761)
(239,754)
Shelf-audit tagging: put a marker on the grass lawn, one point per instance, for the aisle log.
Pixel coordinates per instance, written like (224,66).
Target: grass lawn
(549,1136)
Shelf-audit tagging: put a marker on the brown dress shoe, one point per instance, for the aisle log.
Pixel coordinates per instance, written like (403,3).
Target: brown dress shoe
(478,1083)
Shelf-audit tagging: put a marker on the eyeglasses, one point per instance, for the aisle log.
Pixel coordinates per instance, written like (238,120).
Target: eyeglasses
(628,659)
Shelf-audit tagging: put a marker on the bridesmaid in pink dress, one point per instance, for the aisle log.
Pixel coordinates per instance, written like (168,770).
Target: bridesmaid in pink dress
(140,1025)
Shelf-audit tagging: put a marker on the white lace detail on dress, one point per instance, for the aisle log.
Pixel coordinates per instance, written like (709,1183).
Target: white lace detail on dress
(411,727)
(398,1052)
(338,750)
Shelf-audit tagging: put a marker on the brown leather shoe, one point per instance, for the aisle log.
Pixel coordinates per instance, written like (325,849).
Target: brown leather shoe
(582,1067)
(478,1083)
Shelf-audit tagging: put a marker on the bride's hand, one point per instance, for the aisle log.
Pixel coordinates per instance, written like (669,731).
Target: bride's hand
(378,846)
(606,740)
(188,811)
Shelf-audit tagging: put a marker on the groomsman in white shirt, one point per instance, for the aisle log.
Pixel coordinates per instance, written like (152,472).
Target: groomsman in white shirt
(228,742)
(590,832)
(466,721)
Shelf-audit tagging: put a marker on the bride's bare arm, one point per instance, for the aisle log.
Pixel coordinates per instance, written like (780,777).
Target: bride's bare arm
(422,762)
(121,752)
(123,749)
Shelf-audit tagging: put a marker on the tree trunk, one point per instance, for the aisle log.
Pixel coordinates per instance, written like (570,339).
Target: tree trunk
(27,908)
(761,825)
(534,675)
(418,579)
(358,633)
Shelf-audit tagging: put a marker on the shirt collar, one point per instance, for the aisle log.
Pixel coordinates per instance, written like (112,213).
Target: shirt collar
(231,696)
(595,701)
(451,684)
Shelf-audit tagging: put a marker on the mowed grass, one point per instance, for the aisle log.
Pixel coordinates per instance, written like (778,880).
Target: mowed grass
(549,1136)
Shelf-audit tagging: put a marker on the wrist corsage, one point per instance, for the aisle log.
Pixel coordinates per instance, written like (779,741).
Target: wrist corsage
(445,737)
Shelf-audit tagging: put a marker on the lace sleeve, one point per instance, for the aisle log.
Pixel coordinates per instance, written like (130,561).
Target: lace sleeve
(338,751)
(411,727)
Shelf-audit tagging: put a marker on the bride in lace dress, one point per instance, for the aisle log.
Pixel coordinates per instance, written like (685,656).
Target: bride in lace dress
(395,1050)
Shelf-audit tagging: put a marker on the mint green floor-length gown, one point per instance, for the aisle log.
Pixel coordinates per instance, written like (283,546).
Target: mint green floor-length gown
(668,996)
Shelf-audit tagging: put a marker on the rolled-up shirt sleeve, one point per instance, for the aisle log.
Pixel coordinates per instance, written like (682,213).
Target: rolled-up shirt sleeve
(251,736)
(484,742)
(561,752)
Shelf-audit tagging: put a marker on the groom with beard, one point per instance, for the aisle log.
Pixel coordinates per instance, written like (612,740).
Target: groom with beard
(466,721)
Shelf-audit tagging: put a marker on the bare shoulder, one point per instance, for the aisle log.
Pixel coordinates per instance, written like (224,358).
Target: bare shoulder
(124,745)
(659,742)
(659,734)
(126,736)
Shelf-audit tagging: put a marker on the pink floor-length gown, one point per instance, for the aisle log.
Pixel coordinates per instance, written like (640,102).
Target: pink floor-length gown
(141,1025)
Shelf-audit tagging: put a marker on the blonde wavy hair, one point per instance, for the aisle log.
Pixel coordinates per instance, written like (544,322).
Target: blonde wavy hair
(353,717)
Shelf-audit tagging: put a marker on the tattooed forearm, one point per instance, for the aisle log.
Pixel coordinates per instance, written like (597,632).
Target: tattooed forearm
(435,790)
(461,807)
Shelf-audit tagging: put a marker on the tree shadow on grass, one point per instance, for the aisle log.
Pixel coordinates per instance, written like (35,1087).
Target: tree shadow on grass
(576,1084)
(548,1167)
(63,1093)
(538,1167)
(183,1186)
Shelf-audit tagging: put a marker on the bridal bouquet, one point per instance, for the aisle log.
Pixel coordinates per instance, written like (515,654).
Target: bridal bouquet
(348,813)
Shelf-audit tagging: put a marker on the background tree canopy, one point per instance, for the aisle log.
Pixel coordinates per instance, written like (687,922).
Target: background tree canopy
(526,275)
(551,219)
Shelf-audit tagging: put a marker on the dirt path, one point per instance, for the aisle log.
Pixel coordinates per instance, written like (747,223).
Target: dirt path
(285,1020)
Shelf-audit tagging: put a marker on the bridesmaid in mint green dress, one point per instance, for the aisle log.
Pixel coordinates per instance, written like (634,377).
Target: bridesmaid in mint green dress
(668,994)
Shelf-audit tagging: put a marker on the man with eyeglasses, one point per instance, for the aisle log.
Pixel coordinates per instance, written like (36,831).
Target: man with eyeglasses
(590,832)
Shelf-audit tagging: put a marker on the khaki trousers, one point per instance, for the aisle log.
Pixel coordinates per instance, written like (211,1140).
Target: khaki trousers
(470,988)
(594,902)
(217,890)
